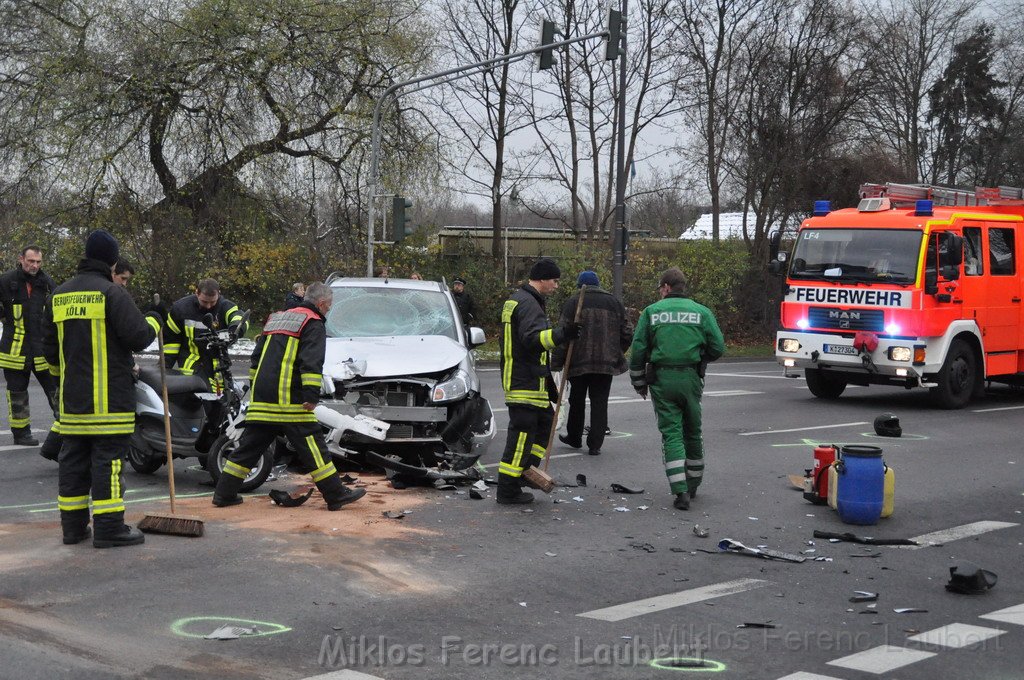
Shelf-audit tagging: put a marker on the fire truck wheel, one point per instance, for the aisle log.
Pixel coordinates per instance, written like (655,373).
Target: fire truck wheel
(958,378)
(823,385)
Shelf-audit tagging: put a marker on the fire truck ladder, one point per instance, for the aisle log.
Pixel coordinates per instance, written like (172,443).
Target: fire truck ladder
(908,194)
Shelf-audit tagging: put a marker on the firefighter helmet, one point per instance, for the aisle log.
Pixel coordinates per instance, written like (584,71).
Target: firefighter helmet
(888,425)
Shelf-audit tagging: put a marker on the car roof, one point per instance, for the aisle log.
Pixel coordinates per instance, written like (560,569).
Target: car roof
(377,282)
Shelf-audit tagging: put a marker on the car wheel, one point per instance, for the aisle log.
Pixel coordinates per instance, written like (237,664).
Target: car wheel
(957,379)
(822,385)
(219,453)
(141,457)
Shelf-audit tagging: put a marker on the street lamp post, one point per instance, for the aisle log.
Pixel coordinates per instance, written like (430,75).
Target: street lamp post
(620,242)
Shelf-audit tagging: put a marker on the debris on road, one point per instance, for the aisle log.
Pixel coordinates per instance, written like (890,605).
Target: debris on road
(757,624)
(864,596)
(700,531)
(731,546)
(477,496)
(866,540)
(581,480)
(621,508)
(646,547)
(283,499)
(391,514)
(578,499)
(910,610)
(967,578)
(622,488)
(227,632)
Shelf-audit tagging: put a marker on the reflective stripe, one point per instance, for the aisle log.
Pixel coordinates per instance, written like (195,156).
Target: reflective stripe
(674,464)
(235,470)
(510,470)
(115,479)
(315,450)
(18,312)
(232,315)
(324,472)
(173,326)
(83,418)
(55,428)
(547,339)
(70,503)
(172,348)
(517,453)
(538,451)
(155,325)
(312,379)
(695,463)
(54,369)
(690,474)
(39,363)
(11,361)
(107,506)
(284,385)
(506,319)
(101,403)
(280,408)
(681,477)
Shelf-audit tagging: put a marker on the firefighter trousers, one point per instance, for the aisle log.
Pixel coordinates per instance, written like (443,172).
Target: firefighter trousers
(92,466)
(17,395)
(676,396)
(308,441)
(528,431)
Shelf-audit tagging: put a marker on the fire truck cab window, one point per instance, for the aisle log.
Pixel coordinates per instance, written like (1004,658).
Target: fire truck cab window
(1000,252)
(884,255)
(974,258)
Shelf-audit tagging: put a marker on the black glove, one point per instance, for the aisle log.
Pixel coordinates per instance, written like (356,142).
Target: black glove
(572,330)
(641,390)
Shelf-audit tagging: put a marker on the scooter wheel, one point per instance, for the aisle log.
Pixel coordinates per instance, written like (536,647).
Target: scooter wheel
(141,457)
(220,451)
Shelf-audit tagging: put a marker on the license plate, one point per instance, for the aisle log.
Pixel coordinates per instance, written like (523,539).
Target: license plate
(849,350)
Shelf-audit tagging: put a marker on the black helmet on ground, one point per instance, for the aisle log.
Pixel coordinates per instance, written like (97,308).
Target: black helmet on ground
(888,425)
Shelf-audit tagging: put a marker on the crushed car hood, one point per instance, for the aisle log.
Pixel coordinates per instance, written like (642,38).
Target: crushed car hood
(392,356)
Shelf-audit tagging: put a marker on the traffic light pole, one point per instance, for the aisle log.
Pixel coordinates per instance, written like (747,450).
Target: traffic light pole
(620,241)
(442,77)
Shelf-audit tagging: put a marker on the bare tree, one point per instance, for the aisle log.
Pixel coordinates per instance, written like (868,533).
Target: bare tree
(719,40)
(912,40)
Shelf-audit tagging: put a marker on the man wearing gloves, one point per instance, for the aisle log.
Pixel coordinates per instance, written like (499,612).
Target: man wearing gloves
(674,340)
(526,338)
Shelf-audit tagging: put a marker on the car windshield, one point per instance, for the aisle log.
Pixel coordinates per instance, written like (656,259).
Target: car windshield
(861,255)
(366,312)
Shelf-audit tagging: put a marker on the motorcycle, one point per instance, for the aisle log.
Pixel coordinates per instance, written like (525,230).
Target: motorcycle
(204,423)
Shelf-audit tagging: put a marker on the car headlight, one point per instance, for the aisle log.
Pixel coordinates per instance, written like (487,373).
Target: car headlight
(453,389)
(899,354)
(789,345)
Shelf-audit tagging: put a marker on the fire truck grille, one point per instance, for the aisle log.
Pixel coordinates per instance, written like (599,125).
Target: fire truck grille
(847,319)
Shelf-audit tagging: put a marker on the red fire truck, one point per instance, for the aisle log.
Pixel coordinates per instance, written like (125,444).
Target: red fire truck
(918,286)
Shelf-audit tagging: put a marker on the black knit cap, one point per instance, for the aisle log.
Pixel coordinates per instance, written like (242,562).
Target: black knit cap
(544,269)
(101,245)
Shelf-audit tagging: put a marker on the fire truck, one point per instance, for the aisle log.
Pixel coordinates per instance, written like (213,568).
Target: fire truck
(918,286)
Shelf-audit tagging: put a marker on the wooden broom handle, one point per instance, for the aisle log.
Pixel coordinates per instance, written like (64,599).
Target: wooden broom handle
(167,415)
(561,381)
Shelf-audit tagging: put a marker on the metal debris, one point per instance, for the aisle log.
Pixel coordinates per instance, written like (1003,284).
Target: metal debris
(646,547)
(476,495)
(700,531)
(729,545)
(228,632)
(578,499)
(910,610)
(864,596)
(391,514)
(757,624)
(622,488)
(621,508)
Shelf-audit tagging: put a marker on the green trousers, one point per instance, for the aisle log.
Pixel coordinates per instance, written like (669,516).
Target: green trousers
(676,397)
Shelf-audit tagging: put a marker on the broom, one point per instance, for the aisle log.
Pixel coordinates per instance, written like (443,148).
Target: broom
(177,525)
(540,479)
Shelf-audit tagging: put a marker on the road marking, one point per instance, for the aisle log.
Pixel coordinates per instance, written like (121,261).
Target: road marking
(15,447)
(1014,615)
(1001,408)
(346,674)
(750,375)
(638,400)
(802,429)
(881,659)
(557,455)
(661,602)
(956,533)
(957,635)
(801,675)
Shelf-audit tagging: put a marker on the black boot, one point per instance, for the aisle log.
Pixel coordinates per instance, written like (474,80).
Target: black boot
(23,437)
(571,443)
(50,450)
(75,525)
(682,501)
(126,536)
(510,491)
(348,495)
(226,493)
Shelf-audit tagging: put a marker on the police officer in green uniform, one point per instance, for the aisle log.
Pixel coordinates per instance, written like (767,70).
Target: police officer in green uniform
(674,339)
(287,374)
(90,329)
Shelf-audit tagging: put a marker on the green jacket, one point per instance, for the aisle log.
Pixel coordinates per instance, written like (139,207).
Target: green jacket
(674,332)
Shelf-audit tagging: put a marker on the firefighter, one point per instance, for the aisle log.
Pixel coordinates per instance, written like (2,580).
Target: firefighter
(526,339)
(186,317)
(286,374)
(23,294)
(674,340)
(90,330)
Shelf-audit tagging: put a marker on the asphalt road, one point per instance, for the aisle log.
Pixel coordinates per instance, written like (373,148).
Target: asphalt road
(577,588)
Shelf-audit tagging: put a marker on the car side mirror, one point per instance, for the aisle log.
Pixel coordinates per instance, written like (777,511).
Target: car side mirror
(950,272)
(476,336)
(953,250)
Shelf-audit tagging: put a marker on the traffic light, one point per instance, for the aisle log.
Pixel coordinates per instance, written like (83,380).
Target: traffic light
(399,219)
(611,49)
(547,36)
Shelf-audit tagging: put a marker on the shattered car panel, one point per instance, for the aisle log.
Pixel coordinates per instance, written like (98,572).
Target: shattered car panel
(397,354)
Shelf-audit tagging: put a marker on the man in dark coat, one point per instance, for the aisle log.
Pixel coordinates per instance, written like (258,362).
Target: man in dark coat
(597,356)
(467,308)
(23,294)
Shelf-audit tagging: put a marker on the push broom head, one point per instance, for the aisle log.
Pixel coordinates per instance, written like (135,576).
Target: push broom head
(176,525)
(539,479)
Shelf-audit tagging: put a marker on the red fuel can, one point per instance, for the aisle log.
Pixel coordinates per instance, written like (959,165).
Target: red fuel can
(824,456)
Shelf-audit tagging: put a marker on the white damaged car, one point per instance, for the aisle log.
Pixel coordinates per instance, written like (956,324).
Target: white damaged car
(398,353)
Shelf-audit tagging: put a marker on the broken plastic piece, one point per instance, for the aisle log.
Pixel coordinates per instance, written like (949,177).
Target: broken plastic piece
(867,540)
(700,531)
(228,632)
(286,501)
(910,610)
(729,545)
(476,495)
(349,479)
(968,578)
(391,514)
(622,488)
(578,499)
(581,480)
(757,624)
(621,509)
(864,596)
